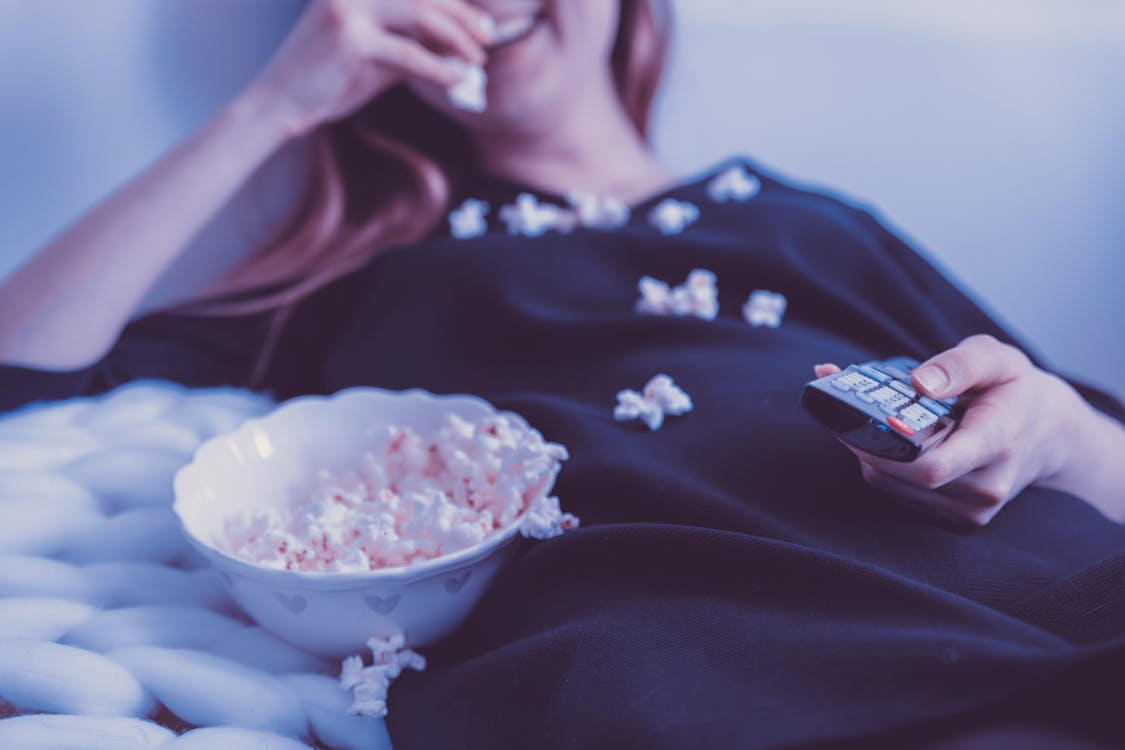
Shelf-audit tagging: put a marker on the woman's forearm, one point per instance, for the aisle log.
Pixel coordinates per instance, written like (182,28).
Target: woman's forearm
(66,306)
(1095,469)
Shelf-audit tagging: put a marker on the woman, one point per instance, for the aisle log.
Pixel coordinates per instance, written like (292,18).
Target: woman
(736,583)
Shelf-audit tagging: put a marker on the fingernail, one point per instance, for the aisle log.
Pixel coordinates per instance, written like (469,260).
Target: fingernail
(488,26)
(932,378)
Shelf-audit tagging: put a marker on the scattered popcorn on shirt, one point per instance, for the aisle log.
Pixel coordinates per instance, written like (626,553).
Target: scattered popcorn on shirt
(600,213)
(530,218)
(735,184)
(661,398)
(469,94)
(764,309)
(469,220)
(697,297)
(369,684)
(671,216)
(413,498)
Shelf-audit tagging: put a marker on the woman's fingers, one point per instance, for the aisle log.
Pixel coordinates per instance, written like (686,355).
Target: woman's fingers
(991,486)
(924,500)
(343,53)
(401,53)
(448,27)
(438,27)
(1007,438)
(474,20)
(976,363)
(959,502)
(967,449)
(971,475)
(412,58)
(825,370)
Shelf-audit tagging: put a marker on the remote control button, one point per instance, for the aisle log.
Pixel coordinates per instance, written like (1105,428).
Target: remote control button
(877,375)
(864,396)
(853,380)
(883,394)
(894,404)
(901,426)
(865,384)
(903,388)
(936,407)
(895,371)
(902,363)
(918,417)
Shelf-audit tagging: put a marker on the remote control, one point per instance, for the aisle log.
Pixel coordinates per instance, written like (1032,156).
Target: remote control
(874,407)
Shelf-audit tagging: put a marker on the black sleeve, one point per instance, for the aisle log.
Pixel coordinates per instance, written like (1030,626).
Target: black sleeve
(192,350)
(967,316)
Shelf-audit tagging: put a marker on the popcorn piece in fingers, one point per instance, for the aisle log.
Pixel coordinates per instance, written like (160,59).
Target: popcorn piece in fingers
(471,93)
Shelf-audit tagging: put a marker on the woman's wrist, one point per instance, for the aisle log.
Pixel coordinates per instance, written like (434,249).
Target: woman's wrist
(1094,465)
(271,121)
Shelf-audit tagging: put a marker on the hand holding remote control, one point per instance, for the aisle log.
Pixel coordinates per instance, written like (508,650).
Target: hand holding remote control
(1012,425)
(874,407)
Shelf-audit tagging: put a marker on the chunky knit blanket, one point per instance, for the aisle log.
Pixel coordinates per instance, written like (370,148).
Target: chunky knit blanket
(114,633)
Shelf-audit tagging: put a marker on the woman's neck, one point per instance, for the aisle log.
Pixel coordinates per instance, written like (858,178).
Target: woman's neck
(592,148)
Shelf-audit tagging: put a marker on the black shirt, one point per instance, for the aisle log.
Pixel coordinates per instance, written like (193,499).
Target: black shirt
(735,582)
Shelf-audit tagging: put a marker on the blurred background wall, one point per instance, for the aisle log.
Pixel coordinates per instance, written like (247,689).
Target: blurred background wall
(990,132)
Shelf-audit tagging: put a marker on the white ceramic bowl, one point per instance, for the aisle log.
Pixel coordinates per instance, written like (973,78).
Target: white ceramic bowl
(269,461)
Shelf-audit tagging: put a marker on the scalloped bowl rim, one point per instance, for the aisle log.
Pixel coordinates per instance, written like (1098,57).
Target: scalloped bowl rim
(338,580)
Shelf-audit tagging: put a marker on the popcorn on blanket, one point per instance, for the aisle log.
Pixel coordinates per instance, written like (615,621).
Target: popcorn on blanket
(369,684)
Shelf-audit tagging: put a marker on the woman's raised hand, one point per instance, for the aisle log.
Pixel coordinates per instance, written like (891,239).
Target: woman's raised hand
(342,53)
(1021,426)
(67,305)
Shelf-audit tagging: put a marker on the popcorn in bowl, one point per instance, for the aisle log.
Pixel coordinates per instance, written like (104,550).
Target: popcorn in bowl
(369,513)
(414,497)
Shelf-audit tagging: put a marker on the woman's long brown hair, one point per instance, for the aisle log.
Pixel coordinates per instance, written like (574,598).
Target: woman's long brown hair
(385,176)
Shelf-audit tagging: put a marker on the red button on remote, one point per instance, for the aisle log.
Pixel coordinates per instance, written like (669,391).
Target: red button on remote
(899,425)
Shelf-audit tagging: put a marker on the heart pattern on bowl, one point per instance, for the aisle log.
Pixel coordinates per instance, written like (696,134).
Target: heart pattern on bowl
(384,605)
(453,584)
(295,604)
